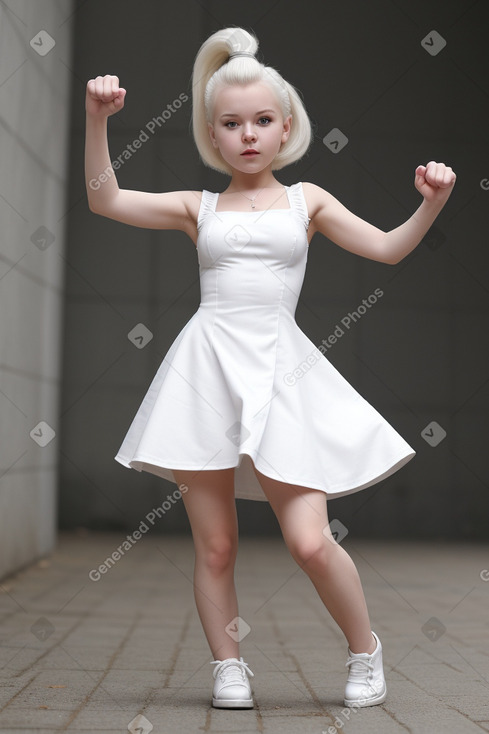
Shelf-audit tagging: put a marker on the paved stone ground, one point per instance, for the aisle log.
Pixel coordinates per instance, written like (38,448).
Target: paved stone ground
(82,655)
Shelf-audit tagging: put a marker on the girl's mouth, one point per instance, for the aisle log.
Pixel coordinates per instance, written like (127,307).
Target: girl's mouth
(251,152)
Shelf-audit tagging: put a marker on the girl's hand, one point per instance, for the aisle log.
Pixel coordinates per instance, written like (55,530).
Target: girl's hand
(434,181)
(104,96)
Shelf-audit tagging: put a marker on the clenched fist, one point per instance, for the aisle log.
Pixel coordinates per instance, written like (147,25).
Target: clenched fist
(104,96)
(434,181)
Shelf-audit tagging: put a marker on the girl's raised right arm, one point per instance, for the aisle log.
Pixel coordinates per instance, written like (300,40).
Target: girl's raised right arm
(171,210)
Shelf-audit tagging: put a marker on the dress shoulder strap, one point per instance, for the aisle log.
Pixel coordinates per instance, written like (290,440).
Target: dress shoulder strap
(208,205)
(298,201)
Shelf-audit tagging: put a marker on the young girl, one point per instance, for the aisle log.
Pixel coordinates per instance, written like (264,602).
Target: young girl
(244,404)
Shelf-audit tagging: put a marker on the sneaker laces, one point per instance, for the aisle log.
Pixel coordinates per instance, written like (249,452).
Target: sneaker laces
(357,668)
(231,668)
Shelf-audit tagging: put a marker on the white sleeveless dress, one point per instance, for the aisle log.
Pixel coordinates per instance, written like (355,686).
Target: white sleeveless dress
(242,382)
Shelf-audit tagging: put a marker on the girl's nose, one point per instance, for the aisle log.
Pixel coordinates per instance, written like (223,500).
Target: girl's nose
(249,133)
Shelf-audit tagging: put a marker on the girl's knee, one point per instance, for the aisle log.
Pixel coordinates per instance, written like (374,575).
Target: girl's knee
(312,553)
(218,553)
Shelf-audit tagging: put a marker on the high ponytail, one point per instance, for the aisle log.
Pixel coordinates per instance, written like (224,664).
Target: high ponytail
(214,67)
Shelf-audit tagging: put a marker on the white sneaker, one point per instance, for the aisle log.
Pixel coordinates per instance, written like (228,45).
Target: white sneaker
(232,688)
(366,683)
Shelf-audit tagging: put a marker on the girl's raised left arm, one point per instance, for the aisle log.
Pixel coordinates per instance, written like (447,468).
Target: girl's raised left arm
(434,181)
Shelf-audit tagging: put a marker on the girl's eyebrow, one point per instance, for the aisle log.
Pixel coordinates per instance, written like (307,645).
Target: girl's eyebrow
(235,114)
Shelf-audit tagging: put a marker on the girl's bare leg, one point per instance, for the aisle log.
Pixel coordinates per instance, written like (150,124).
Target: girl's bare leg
(303,519)
(211,510)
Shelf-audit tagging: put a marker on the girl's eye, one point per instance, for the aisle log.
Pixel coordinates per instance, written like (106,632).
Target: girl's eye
(232,124)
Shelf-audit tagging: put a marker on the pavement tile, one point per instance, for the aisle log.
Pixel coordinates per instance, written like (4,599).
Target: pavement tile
(85,656)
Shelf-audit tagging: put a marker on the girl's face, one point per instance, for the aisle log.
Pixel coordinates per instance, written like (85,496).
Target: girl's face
(247,117)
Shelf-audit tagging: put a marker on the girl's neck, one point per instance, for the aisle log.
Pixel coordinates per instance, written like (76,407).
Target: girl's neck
(252,182)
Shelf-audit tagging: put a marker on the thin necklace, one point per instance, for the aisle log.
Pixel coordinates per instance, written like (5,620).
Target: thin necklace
(252,198)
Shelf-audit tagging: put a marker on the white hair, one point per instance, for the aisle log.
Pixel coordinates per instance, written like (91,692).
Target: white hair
(215,66)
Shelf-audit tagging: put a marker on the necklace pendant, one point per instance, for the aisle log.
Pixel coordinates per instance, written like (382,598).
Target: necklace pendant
(252,204)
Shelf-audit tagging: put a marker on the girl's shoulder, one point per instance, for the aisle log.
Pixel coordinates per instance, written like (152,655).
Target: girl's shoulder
(315,197)
(192,201)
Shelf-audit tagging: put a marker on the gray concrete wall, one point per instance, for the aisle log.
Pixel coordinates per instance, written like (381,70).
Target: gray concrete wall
(420,355)
(35,85)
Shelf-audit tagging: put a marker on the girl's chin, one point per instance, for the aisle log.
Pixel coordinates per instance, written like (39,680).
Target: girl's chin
(249,165)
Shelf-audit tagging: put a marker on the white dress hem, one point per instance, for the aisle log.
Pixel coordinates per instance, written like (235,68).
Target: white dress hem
(154,465)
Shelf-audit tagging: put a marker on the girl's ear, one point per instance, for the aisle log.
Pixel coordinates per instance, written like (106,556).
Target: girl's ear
(287,126)
(210,127)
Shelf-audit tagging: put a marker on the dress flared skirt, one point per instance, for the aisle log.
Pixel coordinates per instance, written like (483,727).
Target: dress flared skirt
(218,401)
